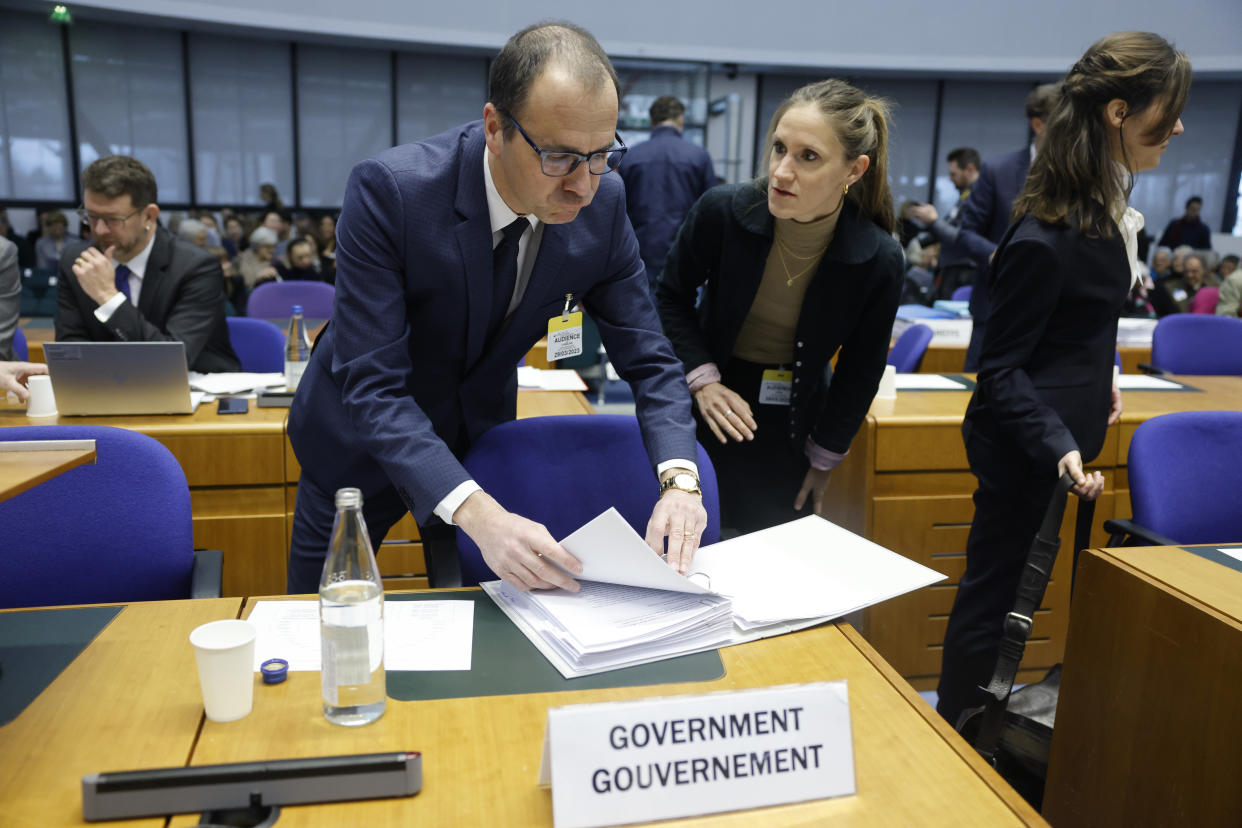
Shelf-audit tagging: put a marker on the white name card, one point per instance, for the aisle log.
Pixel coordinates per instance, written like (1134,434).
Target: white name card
(623,762)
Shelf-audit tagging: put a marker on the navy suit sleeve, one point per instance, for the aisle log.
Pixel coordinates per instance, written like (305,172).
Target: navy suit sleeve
(630,329)
(977,212)
(1025,294)
(371,361)
(70,324)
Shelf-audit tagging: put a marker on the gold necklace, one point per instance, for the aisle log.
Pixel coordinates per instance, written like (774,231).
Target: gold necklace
(789,278)
(791,252)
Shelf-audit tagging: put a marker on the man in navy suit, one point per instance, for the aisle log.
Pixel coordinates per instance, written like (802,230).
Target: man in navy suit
(452,255)
(985,215)
(664,176)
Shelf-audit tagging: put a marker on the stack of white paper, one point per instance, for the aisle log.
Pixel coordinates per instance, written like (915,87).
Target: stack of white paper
(633,608)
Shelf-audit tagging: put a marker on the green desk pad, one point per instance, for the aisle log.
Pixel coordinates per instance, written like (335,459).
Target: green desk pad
(506,663)
(1214,554)
(36,646)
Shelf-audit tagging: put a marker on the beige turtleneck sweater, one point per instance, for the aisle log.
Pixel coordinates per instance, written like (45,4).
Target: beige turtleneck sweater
(767,334)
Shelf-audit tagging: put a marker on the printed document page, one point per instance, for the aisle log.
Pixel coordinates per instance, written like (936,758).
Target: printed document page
(612,552)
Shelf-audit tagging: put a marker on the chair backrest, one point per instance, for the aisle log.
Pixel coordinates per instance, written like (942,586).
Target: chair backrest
(907,352)
(21,351)
(260,344)
(563,471)
(962,294)
(1190,343)
(1117,358)
(1185,473)
(119,530)
(275,300)
(1205,300)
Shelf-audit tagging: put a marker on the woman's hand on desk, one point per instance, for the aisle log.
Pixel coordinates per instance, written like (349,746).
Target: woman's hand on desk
(1088,486)
(518,550)
(725,413)
(814,484)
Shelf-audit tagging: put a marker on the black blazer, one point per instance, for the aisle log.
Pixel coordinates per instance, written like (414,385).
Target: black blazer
(1046,369)
(182,300)
(849,305)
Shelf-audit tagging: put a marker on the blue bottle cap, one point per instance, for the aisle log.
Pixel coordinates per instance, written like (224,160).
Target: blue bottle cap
(297,308)
(274,670)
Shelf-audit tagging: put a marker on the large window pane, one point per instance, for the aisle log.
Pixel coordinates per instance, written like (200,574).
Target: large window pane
(243,118)
(435,93)
(129,91)
(1197,161)
(35,157)
(344,116)
(987,115)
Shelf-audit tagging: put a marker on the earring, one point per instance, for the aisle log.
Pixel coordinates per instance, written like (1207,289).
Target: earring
(846,190)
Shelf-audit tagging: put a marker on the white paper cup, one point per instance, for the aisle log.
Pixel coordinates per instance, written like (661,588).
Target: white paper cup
(888,384)
(224,651)
(42,402)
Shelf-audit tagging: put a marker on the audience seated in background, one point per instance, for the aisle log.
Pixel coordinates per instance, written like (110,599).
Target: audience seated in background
(270,198)
(1189,229)
(1182,289)
(192,231)
(213,231)
(234,285)
(52,243)
(327,248)
(1161,264)
(140,284)
(300,266)
(255,263)
(280,223)
(1229,302)
(1226,267)
(1179,259)
(234,240)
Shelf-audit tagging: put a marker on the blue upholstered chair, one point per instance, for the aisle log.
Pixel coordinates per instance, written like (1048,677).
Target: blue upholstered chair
(275,300)
(21,352)
(563,471)
(907,352)
(1188,343)
(1185,472)
(962,294)
(119,530)
(260,344)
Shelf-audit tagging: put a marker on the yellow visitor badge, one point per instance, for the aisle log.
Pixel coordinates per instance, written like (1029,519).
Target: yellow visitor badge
(776,387)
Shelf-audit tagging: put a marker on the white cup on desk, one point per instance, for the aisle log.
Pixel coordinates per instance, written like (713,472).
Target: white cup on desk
(42,402)
(888,384)
(224,651)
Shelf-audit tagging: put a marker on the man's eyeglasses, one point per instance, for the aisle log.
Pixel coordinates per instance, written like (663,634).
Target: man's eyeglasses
(560,164)
(113,222)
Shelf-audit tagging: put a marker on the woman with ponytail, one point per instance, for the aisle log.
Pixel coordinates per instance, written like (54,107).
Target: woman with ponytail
(1060,278)
(798,266)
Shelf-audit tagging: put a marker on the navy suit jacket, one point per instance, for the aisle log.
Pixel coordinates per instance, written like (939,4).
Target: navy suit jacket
(182,300)
(664,176)
(985,217)
(1046,371)
(403,380)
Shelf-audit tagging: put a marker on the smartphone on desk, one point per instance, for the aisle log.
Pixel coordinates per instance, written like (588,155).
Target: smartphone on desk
(232,405)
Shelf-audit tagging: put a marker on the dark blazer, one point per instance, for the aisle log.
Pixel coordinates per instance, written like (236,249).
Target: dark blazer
(663,176)
(403,380)
(1046,369)
(182,300)
(849,305)
(985,218)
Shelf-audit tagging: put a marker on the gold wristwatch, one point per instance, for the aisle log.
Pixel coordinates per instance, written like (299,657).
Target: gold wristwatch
(683,481)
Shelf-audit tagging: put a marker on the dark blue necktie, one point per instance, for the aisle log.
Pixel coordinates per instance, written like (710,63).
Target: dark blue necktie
(504,273)
(122,281)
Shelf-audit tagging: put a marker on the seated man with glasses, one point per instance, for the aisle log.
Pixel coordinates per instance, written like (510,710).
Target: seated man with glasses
(137,283)
(453,254)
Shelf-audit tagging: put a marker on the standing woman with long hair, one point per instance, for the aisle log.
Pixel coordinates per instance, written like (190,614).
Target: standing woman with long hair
(1045,394)
(798,266)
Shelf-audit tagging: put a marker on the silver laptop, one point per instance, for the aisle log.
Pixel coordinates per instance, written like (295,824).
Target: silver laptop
(92,378)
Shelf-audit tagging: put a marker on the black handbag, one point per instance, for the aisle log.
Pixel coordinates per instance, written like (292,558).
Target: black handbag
(1013,730)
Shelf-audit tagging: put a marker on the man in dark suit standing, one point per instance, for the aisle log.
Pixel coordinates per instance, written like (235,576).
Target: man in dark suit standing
(985,215)
(664,176)
(453,255)
(1188,229)
(145,286)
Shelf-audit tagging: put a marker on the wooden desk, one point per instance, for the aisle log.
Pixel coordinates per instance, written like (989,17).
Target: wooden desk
(22,470)
(951,359)
(130,700)
(235,468)
(481,755)
(1148,722)
(906,485)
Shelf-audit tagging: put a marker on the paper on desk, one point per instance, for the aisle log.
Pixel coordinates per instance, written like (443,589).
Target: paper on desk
(418,635)
(927,382)
(612,552)
(233,382)
(1236,554)
(552,379)
(1143,382)
(196,399)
